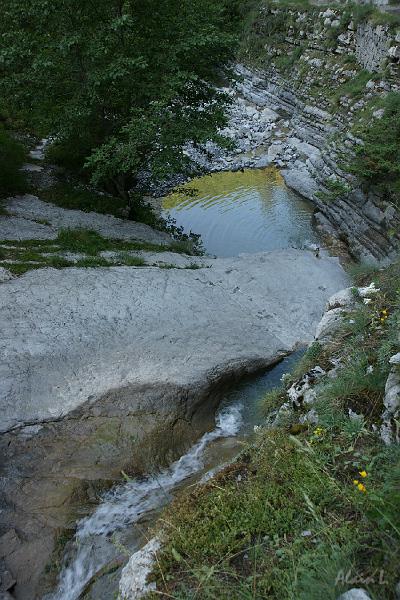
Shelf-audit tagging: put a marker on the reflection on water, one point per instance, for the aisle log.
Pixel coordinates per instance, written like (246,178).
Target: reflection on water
(122,518)
(250,211)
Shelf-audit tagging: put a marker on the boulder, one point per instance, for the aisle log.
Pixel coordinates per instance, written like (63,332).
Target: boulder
(329,324)
(390,418)
(133,583)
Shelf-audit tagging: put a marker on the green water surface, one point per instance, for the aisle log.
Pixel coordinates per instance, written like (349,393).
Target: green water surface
(235,212)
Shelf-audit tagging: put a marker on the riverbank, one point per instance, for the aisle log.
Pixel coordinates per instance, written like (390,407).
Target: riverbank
(310,508)
(126,372)
(312,83)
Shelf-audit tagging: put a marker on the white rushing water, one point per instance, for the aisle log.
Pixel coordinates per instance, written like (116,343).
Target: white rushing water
(94,545)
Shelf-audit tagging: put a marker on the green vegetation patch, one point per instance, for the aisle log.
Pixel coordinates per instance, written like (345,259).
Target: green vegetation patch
(354,87)
(77,197)
(21,256)
(303,509)
(12,157)
(377,160)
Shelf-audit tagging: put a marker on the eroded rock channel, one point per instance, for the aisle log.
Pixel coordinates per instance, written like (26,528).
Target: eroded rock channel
(122,369)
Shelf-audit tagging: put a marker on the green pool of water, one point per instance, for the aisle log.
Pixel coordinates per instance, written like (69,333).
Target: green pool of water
(235,212)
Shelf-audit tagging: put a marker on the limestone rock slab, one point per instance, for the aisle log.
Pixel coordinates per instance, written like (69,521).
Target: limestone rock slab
(26,212)
(69,336)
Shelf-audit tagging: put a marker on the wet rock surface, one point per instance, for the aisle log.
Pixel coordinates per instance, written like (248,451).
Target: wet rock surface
(121,368)
(75,334)
(31,218)
(53,473)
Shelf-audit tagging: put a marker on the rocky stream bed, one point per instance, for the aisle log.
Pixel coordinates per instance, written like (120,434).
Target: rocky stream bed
(122,368)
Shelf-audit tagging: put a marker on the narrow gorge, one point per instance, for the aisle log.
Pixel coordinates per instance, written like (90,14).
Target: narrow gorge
(144,365)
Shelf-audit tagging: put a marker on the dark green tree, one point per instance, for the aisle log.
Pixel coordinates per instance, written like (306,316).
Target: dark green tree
(120,84)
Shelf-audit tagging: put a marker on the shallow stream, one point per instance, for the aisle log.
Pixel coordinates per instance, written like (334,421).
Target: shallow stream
(120,523)
(234,212)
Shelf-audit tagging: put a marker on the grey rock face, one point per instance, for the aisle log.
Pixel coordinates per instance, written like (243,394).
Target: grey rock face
(390,419)
(372,45)
(329,324)
(361,221)
(27,210)
(133,583)
(75,334)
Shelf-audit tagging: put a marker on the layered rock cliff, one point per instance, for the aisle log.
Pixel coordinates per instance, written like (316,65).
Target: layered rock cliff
(308,77)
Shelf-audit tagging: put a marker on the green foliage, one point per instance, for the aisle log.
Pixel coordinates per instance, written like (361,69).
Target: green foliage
(288,519)
(335,189)
(241,535)
(75,196)
(120,85)
(362,273)
(22,256)
(361,12)
(12,156)
(286,61)
(82,241)
(314,355)
(377,161)
(354,87)
(273,400)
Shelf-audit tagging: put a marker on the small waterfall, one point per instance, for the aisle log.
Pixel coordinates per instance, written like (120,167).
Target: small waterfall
(94,547)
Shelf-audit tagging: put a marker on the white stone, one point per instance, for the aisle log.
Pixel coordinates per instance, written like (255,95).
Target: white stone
(389,429)
(394,52)
(378,114)
(29,168)
(395,359)
(355,594)
(133,583)
(341,299)
(274,151)
(267,114)
(310,417)
(301,390)
(370,290)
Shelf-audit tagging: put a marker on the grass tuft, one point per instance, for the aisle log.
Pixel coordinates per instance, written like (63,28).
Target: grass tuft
(294,516)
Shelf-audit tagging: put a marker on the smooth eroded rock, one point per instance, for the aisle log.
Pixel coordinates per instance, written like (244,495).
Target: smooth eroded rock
(75,334)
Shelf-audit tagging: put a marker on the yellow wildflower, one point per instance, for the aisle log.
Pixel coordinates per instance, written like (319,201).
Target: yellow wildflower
(362,487)
(363,473)
(355,481)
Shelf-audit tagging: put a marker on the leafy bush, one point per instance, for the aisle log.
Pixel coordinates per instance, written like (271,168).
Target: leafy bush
(12,156)
(335,189)
(287,61)
(122,87)
(78,197)
(377,161)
